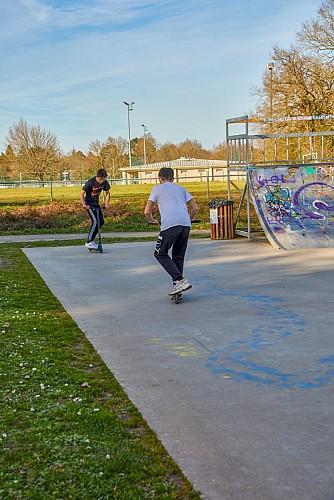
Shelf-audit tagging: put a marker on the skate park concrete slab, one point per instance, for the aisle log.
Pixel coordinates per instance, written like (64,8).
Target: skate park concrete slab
(237,381)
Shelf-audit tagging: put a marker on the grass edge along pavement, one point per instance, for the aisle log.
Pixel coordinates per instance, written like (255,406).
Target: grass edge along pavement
(68,430)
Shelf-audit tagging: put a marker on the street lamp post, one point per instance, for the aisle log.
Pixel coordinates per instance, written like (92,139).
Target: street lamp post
(145,130)
(130,108)
(270,67)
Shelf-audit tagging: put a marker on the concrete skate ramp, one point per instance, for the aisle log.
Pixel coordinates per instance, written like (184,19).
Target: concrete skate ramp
(295,204)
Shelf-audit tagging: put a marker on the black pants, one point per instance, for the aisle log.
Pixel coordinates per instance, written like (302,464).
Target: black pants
(94,213)
(176,237)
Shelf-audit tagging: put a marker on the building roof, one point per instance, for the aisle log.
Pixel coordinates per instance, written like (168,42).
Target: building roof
(179,163)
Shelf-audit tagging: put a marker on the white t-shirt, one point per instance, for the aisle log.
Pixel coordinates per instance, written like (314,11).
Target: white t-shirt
(172,201)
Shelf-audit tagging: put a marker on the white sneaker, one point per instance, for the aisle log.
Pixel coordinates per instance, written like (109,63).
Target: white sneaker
(91,245)
(180,286)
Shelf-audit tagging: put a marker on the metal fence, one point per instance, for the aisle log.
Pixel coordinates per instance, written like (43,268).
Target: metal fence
(238,176)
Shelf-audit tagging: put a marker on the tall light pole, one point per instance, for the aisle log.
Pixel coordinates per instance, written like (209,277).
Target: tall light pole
(145,130)
(130,108)
(270,67)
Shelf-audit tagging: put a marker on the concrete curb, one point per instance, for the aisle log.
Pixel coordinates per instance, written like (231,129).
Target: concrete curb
(82,236)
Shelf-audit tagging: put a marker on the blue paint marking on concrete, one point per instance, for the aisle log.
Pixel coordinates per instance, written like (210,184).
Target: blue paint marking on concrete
(239,360)
(327,360)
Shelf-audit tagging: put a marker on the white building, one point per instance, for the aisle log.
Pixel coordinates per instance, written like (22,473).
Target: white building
(185,170)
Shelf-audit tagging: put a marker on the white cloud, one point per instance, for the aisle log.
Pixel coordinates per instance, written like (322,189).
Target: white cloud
(87,13)
(187,64)
(38,11)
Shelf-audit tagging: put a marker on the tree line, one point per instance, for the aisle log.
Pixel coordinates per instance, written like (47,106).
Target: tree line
(298,82)
(33,153)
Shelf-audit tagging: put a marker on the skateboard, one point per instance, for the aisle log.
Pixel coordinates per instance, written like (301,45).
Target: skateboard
(97,250)
(177,298)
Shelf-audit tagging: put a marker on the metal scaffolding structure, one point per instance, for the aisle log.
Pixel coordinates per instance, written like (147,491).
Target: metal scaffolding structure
(246,150)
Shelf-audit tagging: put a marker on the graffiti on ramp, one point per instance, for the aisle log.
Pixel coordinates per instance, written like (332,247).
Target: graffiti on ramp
(295,204)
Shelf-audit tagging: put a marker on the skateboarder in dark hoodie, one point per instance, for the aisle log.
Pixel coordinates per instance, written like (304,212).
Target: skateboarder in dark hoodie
(89,197)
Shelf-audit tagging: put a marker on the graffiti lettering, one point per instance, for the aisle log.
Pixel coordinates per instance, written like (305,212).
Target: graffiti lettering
(305,203)
(295,204)
(274,179)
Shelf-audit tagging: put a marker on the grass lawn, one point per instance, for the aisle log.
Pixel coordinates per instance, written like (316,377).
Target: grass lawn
(29,211)
(67,429)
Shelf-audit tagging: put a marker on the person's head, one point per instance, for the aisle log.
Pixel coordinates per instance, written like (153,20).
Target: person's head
(166,174)
(101,175)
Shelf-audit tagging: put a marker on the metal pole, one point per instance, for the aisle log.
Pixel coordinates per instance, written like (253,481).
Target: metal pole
(270,67)
(145,130)
(271,93)
(228,158)
(130,108)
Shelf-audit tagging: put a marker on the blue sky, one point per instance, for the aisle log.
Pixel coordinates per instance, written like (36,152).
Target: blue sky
(68,65)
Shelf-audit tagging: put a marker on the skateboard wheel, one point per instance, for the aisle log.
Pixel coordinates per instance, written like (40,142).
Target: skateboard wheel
(177,297)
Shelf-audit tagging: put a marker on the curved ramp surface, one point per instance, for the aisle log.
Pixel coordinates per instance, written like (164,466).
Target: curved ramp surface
(295,204)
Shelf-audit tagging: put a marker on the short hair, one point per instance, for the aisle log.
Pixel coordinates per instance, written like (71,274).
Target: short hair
(101,173)
(166,174)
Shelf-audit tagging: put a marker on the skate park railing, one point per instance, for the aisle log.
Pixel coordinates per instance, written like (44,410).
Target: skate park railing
(289,184)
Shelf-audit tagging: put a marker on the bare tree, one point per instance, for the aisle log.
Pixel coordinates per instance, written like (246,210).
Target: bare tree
(317,35)
(37,150)
(219,152)
(115,155)
(95,151)
(167,152)
(301,85)
(191,149)
(150,149)
(109,155)
(77,164)
(301,82)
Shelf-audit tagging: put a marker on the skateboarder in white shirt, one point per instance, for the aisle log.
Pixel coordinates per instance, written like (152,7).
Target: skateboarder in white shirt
(173,203)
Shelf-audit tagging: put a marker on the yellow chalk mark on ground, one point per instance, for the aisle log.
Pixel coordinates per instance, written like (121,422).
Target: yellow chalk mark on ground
(184,350)
(187,349)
